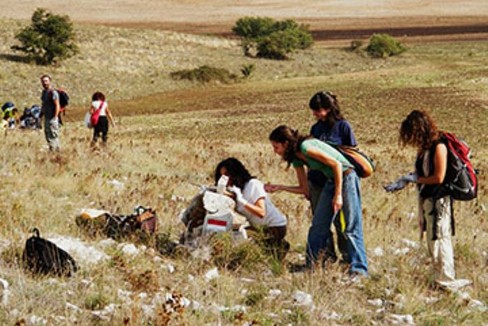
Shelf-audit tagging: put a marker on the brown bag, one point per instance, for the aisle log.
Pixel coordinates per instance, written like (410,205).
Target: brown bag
(147,221)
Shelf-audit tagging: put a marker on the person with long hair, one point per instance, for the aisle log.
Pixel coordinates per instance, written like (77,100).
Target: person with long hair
(435,212)
(101,128)
(340,192)
(254,204)
(332,127)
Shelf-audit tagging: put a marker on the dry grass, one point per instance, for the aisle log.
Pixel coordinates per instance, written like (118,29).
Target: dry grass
(171,135)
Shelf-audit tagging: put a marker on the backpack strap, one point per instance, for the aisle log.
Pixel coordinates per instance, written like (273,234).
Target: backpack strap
(100,106)
(36,232)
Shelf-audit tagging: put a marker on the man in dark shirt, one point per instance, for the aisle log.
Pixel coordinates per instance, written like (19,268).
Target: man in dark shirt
(50,110)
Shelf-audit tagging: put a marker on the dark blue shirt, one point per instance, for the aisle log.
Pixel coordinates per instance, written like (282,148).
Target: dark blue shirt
(340,134)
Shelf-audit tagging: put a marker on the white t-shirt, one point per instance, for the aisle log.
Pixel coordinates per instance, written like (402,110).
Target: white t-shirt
(96,105)
(252,192)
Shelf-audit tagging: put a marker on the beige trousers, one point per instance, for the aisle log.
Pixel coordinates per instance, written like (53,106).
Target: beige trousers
(440,250)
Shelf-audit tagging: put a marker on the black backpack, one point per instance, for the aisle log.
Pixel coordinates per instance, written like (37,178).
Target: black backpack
(460,182)
(63,98)
(41,256)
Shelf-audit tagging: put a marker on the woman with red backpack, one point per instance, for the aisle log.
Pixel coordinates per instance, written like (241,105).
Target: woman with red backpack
(100,117)
(435,208)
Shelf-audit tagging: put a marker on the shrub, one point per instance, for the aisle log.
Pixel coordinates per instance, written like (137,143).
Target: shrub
(232,256)
(384,45)
(271,39)
(205,74)
(247,70)
(49,39)
(253,27)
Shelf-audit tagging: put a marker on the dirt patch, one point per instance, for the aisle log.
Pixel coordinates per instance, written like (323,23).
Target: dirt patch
(328,20)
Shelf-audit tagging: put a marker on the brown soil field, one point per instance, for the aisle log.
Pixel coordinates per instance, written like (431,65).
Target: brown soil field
(331,21)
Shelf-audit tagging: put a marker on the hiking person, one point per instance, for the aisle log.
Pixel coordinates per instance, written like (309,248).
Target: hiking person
(340,192)
(99,104)
(435,213)
(330,127)
(254,204)
(50,109)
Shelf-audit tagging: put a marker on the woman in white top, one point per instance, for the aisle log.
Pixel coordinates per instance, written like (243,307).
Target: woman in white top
(253,202)
(101,128)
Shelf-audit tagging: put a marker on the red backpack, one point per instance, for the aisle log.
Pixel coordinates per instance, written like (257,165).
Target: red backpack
(460,182)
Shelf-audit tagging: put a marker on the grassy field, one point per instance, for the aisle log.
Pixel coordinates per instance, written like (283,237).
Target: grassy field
(171,134)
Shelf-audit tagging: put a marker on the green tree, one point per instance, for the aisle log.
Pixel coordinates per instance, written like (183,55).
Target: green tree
(271,39)
(384,45)
(49,39)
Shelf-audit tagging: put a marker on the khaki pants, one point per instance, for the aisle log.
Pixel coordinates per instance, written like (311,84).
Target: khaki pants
(51,131)
(440,250)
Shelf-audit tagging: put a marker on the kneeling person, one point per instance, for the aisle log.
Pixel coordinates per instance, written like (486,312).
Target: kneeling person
(254,204)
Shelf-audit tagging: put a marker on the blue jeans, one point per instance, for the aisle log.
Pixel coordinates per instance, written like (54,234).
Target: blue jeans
(319,234)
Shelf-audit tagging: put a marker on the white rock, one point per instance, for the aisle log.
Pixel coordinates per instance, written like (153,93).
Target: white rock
(157,259)
(129,249)
(478,305)
(395,319)
(107,243)
(34,320)
(142,295)
(14,313)
(378,252)
(147,310)
(73,307)
(211,274)
(430,300)
(81,252)
(274,293)
(86,283)
(124,295)
(410,243)
(330,315)
(4,292)
(401,252)
(376,302)
(302,298)
(195,305)
(170,268)
(116,184)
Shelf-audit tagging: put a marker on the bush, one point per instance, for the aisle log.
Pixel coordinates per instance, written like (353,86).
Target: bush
(205,74)
(253,27)
(49,39)
(233,256)
(247,70)
(384,45)
(271,39)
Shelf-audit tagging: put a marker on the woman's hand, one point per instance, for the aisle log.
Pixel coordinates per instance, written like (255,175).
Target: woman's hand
(337,203)
(271,188)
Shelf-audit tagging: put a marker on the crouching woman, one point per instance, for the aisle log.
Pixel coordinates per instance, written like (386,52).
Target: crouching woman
(254,204)
(340,192)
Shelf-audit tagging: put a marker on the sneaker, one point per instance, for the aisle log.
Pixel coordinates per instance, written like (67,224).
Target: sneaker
(453,285)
